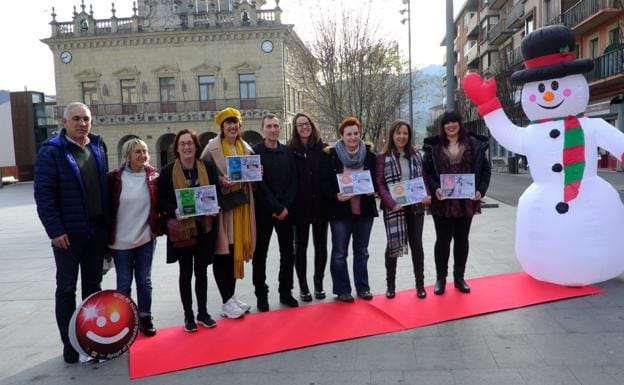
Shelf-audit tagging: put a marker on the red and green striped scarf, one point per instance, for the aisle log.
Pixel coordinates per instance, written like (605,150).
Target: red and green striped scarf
(573,154)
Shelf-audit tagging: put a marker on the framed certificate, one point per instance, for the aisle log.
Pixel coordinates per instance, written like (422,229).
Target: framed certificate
(196,201)
(355,183)
(457,186)
(243,168)
(408,192)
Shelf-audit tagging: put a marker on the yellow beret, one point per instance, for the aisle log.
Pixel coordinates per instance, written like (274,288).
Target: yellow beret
(227,113)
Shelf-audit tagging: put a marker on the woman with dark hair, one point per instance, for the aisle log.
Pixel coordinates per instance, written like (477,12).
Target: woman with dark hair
(133,194)
(236,239)
(349,214)
(400,161)
(195,250)
(454,151)
(307,147)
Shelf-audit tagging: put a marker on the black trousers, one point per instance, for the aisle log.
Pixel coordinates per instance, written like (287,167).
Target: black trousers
(223,269)
(319,239)
(190,263)
(265,224)
(447,229)
(414,239)
(85,255)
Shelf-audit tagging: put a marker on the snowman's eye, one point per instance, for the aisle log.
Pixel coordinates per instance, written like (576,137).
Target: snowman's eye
(541,87)
(554,85)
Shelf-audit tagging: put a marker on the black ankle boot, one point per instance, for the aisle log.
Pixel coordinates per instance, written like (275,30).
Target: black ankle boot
(319,293)
(461,285)
(390,293)
(440,285)
(420,289)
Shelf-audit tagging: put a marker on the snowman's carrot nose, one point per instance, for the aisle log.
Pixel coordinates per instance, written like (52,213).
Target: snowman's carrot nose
(548,96)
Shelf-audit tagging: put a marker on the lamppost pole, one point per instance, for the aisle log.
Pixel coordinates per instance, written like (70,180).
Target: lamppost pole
(409,59)
(450,56)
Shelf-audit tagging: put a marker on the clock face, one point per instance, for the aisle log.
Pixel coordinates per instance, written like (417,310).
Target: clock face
(267,46)
(66,57)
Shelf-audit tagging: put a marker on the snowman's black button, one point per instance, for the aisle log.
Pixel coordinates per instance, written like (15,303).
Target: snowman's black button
(562,207)
(557,167)
(554,134)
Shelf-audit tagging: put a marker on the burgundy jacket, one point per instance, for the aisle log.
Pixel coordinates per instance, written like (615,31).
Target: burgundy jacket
(114,191)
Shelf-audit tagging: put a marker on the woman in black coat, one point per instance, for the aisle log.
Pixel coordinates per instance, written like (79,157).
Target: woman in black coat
(307,148)
(195,251)
(454,151)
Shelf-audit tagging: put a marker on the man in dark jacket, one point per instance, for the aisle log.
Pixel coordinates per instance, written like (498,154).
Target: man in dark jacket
(275,197)
(71,196)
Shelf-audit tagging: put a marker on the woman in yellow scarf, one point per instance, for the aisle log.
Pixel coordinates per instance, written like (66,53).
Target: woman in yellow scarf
(236,237)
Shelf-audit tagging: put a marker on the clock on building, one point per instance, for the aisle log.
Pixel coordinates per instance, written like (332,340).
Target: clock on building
(267,46)
(66,57)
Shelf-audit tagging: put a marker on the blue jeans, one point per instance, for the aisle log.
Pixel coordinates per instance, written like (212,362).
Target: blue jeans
(342,229)
(139,261)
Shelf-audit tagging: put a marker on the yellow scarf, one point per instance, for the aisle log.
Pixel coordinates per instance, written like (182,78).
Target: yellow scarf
(241,218)
(179,181)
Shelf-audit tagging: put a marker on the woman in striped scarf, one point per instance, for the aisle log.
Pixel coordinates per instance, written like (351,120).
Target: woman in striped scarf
(400,161)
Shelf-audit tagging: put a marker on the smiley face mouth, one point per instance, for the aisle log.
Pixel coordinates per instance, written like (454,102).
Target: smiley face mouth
(551,107)
(107,340)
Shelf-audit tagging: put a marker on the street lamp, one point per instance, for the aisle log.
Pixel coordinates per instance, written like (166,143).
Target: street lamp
(409,53)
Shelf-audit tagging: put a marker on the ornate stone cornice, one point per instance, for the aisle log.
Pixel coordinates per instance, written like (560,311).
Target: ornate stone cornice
(165,38)
(88,74)
(126,72)
(246,68)
(166,70)
(158,117)
(206,69)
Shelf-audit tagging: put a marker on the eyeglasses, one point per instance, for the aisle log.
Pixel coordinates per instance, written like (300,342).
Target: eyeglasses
(186,144)
(304,125)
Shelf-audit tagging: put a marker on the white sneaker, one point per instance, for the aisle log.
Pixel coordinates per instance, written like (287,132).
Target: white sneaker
(231,310)
(244,307)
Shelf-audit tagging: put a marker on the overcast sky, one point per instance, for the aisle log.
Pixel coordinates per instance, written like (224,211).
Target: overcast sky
(27,63)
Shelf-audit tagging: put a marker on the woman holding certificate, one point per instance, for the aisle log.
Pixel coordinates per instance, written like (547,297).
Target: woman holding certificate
(459,160)
(190,239)
(236,238)
(133,194)
(350,205)
(399,171)
(307,147)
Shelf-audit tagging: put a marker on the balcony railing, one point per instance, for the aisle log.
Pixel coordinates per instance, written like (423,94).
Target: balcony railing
(180,108)
(498,32)
(514,18)
(607,65)
(585,9)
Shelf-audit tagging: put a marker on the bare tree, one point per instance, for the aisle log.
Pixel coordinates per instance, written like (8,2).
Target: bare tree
(354,72)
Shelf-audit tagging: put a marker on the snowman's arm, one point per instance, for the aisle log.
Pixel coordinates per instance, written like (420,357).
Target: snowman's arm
(504,131)
(609,138)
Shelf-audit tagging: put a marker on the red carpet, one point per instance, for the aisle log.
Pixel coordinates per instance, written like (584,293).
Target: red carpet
(278,330)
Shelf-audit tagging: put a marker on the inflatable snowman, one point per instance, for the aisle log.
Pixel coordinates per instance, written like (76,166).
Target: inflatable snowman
(569,221)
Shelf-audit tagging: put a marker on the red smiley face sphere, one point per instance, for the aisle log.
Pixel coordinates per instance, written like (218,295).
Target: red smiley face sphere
(104,325)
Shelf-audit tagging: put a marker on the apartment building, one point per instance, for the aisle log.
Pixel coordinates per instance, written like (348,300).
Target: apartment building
(488,39)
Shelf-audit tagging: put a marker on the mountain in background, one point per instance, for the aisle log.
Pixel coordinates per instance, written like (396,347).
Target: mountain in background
(428,92)
(5,96)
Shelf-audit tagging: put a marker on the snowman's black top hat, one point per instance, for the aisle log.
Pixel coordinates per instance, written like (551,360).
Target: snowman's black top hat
(548,53)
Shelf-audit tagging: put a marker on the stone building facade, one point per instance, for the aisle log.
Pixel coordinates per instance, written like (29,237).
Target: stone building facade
(172,65)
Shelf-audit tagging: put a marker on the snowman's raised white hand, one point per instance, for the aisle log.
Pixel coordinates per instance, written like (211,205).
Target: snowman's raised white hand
(481,92)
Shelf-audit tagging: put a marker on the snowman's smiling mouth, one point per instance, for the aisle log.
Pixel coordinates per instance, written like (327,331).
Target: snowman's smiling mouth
(551,107)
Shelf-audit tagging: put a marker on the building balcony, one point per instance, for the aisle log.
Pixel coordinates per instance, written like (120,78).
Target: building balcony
(514,17)
(498,33)
(588,14)
(189,110)
(472,56)
(495,4)
(608,73)
(472,27)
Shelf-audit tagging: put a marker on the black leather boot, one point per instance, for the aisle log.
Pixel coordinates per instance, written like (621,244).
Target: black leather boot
(440,285)
(390,288)
(461,285)
(420,289)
